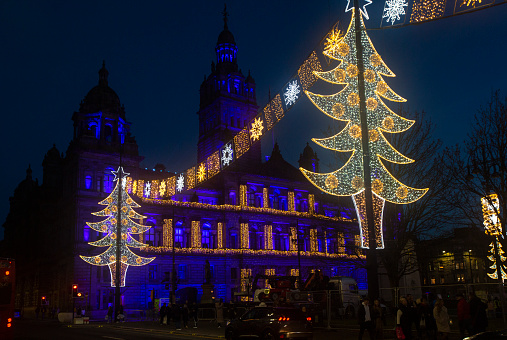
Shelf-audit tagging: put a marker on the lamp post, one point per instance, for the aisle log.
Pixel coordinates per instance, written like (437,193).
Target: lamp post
(491,210)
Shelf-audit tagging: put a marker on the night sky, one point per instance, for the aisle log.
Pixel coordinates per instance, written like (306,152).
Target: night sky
(157,53)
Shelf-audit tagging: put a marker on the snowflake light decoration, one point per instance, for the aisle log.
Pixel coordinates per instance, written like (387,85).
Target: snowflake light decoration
(180,183)
(332,39)
(201,172)
(291,93)
(227,155)
(147,189)
(256,130)
(393,9)
(350,6)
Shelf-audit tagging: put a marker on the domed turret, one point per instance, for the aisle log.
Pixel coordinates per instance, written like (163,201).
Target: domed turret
(308,159)
(226,48)
(102,98)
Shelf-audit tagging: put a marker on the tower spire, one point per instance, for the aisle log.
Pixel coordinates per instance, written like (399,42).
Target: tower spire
(103,73)
(225,14)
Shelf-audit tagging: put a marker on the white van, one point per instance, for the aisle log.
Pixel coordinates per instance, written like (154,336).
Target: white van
(346,298)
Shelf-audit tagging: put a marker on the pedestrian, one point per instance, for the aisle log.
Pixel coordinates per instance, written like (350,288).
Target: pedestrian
(498,308)
(442,319)
(427,326)
(37,311)
(110,314)
(403,318)
(120,315)
(184,314)
(478,317)
(219,306)
(414,312)
(379,319)
(43,311)
(162,313)
(463,315)
(232,311)
(194,313)
(491,308)
(364,317)
(176,313)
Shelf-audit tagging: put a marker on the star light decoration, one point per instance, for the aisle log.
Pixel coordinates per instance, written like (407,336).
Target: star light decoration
(350,7)
(227,155)
(109,227)
(256,130)
(393,9)
(344,106)
(180,183)
(291,93)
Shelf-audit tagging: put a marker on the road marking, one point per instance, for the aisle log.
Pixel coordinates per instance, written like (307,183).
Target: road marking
(110,337)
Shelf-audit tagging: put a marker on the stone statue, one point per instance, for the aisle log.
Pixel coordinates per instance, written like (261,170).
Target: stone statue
(207,272)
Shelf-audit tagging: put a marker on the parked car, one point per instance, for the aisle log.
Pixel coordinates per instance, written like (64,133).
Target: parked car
(271,323)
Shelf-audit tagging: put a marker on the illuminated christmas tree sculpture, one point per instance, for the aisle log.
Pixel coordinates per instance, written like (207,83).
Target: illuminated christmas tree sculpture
(345,106)
(493,226)
(109,227)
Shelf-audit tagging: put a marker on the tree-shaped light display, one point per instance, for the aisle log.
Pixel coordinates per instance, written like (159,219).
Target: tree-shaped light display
(345,106)
(492,226)
(118,199)
(501,257)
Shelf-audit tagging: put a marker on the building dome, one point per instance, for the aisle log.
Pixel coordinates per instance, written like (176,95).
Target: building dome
(101,97)
(226,37)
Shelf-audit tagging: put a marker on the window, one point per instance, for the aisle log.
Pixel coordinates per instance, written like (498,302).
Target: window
(108,180)
(178,236)
(234,273)
(152,272)
(86,233)
(232,198)
(433,281)
(251,199)
(442,279)
(88,182)
(431,266)
(182,272)
(205,237)
(149,235)
(108,132)
(460,277)
(233,241)
(441,266)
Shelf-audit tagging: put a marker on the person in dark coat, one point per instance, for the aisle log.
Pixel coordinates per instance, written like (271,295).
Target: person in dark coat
(463,315)
(162,313)
(427,326)
(478,316)
(404,318)
(110,314)
(176,313)
(364,318)
(194,310)
(184,314)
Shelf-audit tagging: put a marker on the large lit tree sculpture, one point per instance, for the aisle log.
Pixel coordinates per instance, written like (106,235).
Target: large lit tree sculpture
(127,227)
(345,106)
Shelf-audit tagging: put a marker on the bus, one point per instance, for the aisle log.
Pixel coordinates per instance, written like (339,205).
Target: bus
(7,280)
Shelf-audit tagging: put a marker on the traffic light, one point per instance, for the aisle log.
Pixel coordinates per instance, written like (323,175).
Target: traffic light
(74,291)
(43,300)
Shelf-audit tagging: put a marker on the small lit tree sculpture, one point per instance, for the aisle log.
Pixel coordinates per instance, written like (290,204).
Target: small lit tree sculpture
(109,227)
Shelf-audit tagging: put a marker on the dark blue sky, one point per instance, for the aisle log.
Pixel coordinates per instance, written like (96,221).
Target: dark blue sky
(157,53)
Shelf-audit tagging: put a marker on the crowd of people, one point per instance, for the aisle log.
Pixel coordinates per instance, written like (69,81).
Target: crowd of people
(423,319)
(180,315)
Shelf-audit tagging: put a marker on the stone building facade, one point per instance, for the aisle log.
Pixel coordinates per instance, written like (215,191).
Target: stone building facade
(244,221)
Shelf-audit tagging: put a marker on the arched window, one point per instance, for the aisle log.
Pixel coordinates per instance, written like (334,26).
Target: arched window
(232,198)
(149,235)
(88,182)
(108,132)
(108,180)
(86,233)
(206,236)
(178,235)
